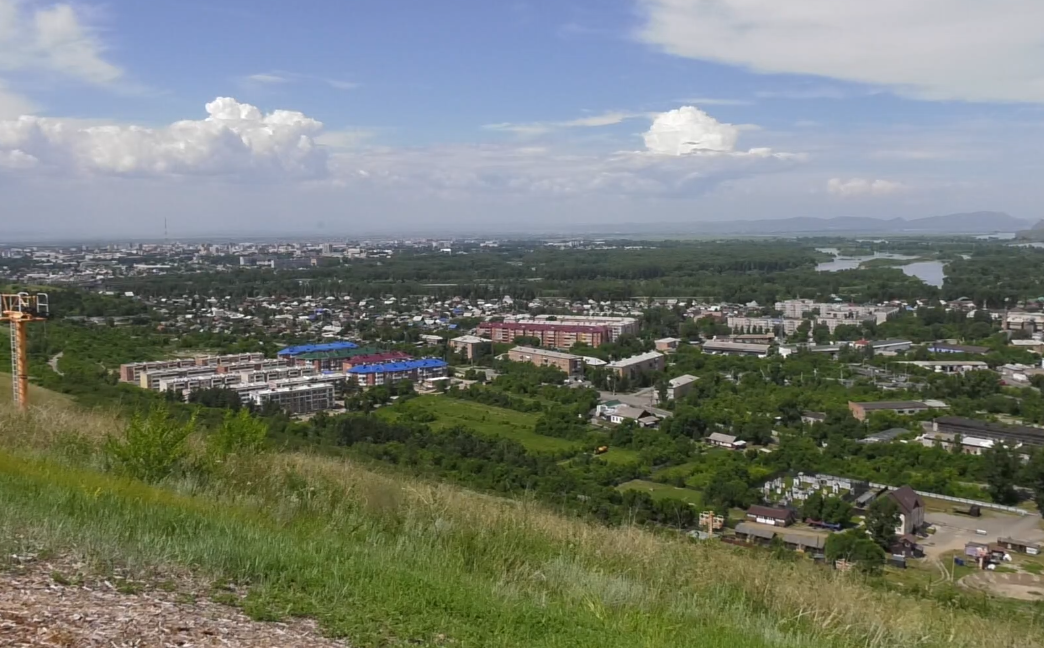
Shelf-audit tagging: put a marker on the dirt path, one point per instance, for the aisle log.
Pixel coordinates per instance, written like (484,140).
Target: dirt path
(46,604)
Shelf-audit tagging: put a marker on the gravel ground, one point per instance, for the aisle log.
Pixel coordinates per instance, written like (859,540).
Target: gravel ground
(47,603)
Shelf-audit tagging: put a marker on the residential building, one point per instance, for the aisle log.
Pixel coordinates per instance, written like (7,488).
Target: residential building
(1021,321)
(904,408)
(726,347)
(1033,346)
(911,510)
(293,351)
(811,418)
(771,516)
(131,372)
(636,365)
(470,345)
(298,399)
(678,387)
(572,365)
(667,345)
(381,357)
(726,441)
(741,324)
(551,334)
(753,338)
(431,340)
(618,326)
(795,308)
(624,413)
(394,372)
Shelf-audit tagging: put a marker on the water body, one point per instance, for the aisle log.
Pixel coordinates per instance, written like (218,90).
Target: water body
(930,272)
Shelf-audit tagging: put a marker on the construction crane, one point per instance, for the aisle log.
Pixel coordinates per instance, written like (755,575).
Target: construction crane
(19,309)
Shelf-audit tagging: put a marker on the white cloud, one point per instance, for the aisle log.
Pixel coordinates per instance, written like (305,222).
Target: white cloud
(858,187)
(13,105)
(930,49)
(539,128)
(712,101)
(54,39)
(689,130)
(268,78)
(341,85)
(235,139)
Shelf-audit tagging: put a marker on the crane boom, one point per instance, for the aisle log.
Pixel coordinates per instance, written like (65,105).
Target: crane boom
(19,309)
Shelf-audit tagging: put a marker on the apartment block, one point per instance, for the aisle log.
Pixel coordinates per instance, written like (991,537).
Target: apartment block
(551,334)
(469,344)
(131,372)
(639,364)
(394,372)
(740,324)
(567,362)
(298,399)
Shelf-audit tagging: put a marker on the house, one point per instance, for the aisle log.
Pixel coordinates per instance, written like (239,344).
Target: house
(804,543)
(905,408)
(726,441)
(1021,546)
(811,418)
(907,547)
(678,387)
(969,444)
(911,510)
(754,534)
(624,413)
(885,436)
(945,347)
(667,345)
(771,516)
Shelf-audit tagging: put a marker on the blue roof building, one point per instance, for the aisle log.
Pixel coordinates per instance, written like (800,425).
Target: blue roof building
(312,348)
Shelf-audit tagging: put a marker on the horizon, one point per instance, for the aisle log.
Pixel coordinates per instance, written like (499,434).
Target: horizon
(524,116)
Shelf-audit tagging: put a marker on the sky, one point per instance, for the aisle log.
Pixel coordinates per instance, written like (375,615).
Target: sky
(337,118)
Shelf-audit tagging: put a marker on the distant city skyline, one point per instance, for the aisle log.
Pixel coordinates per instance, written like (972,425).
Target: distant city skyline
(239,118)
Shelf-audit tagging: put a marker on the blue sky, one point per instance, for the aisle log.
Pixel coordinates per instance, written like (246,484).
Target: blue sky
(409,116)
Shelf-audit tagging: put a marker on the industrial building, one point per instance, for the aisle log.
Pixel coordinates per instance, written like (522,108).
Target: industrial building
(726,347)
(904,408)
(571,364)
(394,372)
(551,334)
(639,364)
(1010,434)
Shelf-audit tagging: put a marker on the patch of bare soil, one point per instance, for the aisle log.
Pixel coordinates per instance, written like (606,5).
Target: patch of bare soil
(51,604)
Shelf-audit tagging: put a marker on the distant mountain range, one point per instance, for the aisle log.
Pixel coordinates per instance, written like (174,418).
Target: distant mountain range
(983,222)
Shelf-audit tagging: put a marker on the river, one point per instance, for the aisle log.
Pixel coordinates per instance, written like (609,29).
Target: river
(930,272)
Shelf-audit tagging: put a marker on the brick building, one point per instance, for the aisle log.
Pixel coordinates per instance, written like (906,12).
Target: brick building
(571,364)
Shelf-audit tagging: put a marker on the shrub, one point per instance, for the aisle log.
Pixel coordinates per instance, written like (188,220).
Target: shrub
(152,446)
(240,433)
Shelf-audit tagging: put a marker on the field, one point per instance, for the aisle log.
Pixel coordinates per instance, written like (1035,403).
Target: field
(389,561)
(665,491)
(483,419)
(620,456)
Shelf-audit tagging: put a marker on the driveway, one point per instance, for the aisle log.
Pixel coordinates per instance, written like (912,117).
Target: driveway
(953,531)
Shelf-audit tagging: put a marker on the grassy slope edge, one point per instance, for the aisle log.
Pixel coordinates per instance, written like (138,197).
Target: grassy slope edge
(386,560)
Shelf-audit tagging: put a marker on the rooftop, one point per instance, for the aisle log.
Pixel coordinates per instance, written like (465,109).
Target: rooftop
(638,359)
(546,353)
(409,365)
(312,348)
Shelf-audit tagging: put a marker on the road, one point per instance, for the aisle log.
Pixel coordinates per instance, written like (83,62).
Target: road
(643,398)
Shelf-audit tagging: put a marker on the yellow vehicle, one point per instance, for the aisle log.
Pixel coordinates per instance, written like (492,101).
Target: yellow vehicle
(602,450)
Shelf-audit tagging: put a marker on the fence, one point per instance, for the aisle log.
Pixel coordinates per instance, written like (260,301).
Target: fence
(961,500)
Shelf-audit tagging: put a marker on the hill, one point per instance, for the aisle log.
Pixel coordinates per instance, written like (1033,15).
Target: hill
(388,560)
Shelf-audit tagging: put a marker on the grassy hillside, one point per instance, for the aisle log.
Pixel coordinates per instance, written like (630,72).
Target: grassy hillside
(37,395)
(385,560)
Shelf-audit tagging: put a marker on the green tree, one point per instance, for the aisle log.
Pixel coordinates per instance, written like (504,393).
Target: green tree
(854,546)
(1034,476)
(152,446)
(882,518)
(1001,466)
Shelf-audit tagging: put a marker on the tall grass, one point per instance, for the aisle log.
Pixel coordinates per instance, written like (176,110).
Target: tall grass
(385,560)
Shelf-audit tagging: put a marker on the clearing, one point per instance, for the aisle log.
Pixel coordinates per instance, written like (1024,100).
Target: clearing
(483,419)
(664,491)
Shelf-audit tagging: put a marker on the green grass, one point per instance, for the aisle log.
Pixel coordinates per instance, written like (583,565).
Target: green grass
(620,456)
(387,560)
(483,419)
(37,395)
(682,470)
(665,491)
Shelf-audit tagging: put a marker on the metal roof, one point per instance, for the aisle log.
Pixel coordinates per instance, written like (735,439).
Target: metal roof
(410,365)
(312,348)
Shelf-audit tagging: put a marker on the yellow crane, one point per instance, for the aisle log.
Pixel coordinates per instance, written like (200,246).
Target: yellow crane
(18,309)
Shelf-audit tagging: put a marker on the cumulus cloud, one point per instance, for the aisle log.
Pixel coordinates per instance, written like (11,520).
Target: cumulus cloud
(54,39)
(13,105)
(931,49)
(235,139)
(858,187)
(689,130)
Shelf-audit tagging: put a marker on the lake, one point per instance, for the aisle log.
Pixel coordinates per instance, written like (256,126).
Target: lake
(930,272)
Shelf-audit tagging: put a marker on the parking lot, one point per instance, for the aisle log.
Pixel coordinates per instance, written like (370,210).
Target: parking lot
(953,531)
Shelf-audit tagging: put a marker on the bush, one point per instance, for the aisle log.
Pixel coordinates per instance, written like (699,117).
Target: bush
(152,446)
(239,433)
